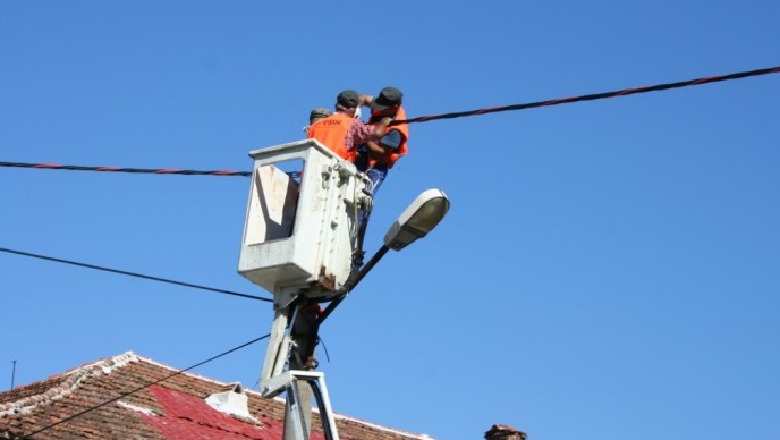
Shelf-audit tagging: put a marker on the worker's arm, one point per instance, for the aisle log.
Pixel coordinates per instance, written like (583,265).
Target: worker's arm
(381,127)
(386,144)
(374,149)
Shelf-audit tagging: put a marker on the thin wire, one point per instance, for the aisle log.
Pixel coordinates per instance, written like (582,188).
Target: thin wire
(135,274)
(92,408)
(324,348)
(594,96)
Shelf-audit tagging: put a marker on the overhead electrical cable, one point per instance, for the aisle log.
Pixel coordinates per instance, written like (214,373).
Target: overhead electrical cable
(54,166)
(351,282)
(134,274)
(135,390)
(594,96)
(453,115)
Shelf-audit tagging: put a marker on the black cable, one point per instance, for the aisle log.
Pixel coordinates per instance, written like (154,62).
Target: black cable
(351,282)
(477,112)
(594,96)
(327,429)
(136,275)
(54,166)
(92,408)
(169,171)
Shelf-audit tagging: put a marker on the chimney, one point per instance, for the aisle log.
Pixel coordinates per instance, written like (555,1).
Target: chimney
(504,432)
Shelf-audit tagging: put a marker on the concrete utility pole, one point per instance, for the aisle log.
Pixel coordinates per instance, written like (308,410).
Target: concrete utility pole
(303,333)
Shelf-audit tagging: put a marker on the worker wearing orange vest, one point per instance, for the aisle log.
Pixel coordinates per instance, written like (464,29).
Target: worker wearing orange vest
(376,159)
(316,115)
(342,132)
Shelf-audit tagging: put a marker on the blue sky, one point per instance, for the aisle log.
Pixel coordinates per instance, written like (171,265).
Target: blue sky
(607,270)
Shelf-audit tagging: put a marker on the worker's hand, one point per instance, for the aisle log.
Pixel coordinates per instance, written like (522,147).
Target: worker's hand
(374,150)
(365,100)
(381,126)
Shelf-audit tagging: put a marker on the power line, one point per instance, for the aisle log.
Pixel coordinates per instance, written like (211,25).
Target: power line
(92,408)
(594,96)
(351,282)
(159,171)
(54,166)
(134,274)
(453,115)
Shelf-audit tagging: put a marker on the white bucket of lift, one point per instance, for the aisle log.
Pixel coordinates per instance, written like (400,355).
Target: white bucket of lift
(301,219)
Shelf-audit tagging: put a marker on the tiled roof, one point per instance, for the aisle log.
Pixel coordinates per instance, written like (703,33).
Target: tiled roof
(171,409)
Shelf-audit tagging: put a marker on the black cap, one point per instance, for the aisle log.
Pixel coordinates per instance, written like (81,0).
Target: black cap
(348,98)
(318,113)
(387,97)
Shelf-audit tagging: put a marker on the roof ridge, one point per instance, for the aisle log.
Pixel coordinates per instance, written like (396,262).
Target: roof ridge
(195,375)
(73,379)
(382,428)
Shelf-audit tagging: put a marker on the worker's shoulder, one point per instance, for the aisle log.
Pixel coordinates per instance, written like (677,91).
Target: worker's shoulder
(332,120)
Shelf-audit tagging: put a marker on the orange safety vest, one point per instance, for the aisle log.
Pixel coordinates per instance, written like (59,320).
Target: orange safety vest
(391,158)
(332,132)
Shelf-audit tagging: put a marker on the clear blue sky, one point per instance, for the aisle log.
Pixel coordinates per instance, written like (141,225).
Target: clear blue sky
(608,269)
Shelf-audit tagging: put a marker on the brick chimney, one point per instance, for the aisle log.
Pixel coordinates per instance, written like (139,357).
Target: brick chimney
(504,432)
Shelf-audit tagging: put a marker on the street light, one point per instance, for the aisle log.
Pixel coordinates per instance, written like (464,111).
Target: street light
(418,219)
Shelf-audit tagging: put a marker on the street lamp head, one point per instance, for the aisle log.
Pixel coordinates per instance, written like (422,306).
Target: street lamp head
(418,219)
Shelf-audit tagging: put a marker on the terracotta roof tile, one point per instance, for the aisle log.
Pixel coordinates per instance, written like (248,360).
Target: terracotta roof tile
(172,409)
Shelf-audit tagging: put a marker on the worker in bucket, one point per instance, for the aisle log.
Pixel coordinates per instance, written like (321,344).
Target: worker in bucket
(316,115)
(342,132)
(376,159)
